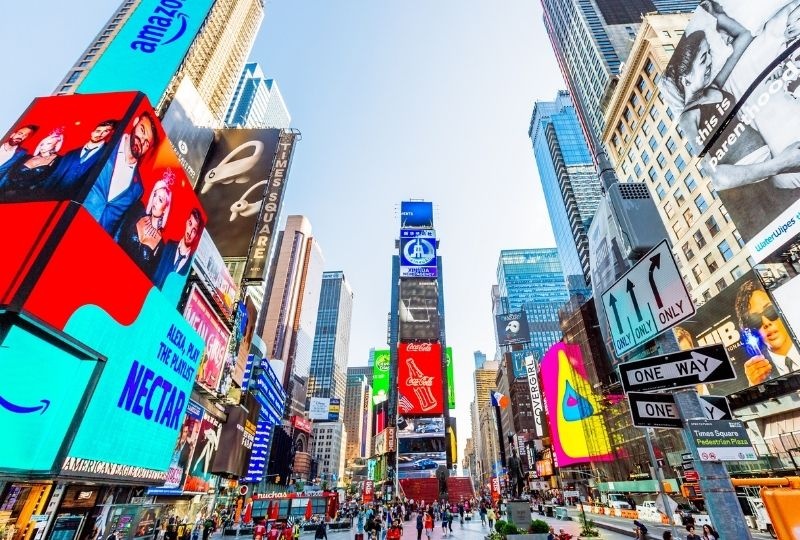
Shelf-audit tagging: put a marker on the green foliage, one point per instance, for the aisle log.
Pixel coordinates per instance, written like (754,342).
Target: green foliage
(504,528)
(588,527)
(538,526)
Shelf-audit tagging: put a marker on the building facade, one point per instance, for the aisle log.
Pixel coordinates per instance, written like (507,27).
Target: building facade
(646,144)
(486,448)
(532,280)
(480,359)
(569,182)
(328,374)
(327,448)
(357,414)
(257,102)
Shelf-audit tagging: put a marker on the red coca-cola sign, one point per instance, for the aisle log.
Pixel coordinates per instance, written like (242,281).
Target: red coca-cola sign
(419,372)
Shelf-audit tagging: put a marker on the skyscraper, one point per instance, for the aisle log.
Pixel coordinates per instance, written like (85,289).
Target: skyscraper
(328,376)
(357,414)
(480,359)
(213,63)
(292,293)
(532,280)
(591,39)
(257,102)
(569,182)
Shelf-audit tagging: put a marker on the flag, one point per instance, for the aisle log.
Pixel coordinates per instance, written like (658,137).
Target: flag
(498,399)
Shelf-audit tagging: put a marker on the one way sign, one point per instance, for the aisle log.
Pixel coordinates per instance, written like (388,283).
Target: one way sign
(660,411)
(674,370)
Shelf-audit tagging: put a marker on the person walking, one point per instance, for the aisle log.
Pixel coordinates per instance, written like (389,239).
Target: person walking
(690,534)
(420,524)
(483,515)
(445,518)
(709,533)
(429,524)
(321,531)
(491,516)
(259,531)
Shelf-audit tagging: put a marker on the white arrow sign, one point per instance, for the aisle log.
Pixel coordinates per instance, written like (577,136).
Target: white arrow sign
(699,364)
(657,409)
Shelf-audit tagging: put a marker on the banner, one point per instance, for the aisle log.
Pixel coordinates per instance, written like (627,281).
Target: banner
(182,454)
(236,439)
(744,319)
(416,214)
(418,253)
(199,479)
(733,80)
(419,379)
(380,376)
(512,328)
(537,406)
(318,408)
(200,315)
(419,309)
(234,184)
(148,49)
(187,122)
(451,386)
(214,273)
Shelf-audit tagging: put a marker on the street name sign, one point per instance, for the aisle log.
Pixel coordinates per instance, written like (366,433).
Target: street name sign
(674,370)
(721,440)
(648,299)
(660,410)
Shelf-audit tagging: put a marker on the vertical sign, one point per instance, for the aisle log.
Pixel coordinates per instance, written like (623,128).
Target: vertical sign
(536,394)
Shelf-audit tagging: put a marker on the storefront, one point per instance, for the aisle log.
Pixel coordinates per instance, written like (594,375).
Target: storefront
(282,505)
(20,505)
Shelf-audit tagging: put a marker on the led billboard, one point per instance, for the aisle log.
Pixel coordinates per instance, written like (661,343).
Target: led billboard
(380,376)
(419,379)
(187,123)
(148,48)
(743,318)
(199,478)
(236,439)
(512,328)
(234,183)
(451,385)
(573,410)
(733,82)
(416,214)
(200,316)
(419,309)
(418,253)
(182,454)
(217,279)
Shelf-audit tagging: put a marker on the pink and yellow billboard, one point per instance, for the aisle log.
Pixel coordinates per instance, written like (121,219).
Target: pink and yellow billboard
(573,410)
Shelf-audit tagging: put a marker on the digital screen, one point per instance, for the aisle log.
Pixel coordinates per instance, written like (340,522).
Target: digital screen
(419,379)
(416,214)
(419,309)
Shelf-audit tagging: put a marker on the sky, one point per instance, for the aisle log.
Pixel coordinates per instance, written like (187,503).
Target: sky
(394,100)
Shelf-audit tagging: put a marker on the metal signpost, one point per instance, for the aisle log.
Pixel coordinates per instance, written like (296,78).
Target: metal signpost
(647,300)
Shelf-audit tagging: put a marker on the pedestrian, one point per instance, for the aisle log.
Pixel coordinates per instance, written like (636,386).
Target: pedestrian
(461,512)
(450,516)
(429,524)
(322,531)
(667,535)
(420,524)
(259,531)
(483,515)
(491,516)
(208,527)
(445,518)
(551,535)
(395,531)
(690,534)
(709,533)
(639,529)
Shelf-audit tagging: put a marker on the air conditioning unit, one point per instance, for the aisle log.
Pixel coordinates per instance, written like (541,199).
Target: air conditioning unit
(637,217)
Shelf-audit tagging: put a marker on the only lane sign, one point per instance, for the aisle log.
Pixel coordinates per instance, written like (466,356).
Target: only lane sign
(648,299)
(674,370)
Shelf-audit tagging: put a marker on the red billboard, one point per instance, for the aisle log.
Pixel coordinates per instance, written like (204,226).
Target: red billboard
(200,316)
(419,377)
(301,424)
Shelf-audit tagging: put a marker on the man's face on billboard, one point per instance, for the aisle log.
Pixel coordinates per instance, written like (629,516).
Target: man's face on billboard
(192,229)
(763,315)
(16,138)
(100,133)
(141,137)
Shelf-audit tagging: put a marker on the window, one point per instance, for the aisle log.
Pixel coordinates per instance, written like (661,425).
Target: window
(651,172)
(83,64)
(649,67)
(640,84)
(688,216)
(662,161)
(700,239)
(691,184)
(653,112)
(712,226)
(737,272)
(634,101)
(637,170)
(660,191)
(666,33)
(677,228)
(739,239)
(671,146)
(697,272)
(706,295)
(73,77)
(653,143)
(628,114)
(648,94)
(721,284)
(687,251)
(670,178)
(711,263)
(725,250)
(662,127)
(670,114)
(669,47)
(700,203)
(680,164)
(632,155)
(669,210)
(646,128)
(679,198)
(645,157)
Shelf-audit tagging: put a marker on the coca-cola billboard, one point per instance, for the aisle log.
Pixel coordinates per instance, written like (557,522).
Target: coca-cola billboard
(420,379)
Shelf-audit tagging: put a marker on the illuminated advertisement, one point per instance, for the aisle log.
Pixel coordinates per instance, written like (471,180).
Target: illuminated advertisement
(182,454)
(419,379)
(187,123)
(733,81)
(245,332)
(744,319)
(380,376)
(537,406)
(200,316)
(512,328)
(419,456)
(418,427)
(217,279)
(318,408)
(419,309)
(418,253)
(451,386)
(147,50)
(199,478)
(334,410)
(28,407)
(234,183)
(236,439)
(517,359)
(416,214)
(573,409)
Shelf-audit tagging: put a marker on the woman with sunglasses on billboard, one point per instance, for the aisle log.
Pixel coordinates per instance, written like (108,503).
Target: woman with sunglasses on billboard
(761,323)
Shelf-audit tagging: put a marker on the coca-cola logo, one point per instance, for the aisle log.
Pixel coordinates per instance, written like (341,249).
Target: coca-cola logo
(419,347)
(419,381)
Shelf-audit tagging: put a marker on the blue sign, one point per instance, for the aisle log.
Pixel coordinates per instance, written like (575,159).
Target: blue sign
(518,363)
(418,253)
(260,454)
(148,49)
(416,214)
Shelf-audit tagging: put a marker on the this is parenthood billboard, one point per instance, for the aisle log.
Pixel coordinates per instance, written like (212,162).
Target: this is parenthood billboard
(734,80)
(148,49)
(81,238)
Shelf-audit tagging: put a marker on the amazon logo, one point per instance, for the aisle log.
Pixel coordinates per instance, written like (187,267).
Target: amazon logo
(23,409)
(166,25)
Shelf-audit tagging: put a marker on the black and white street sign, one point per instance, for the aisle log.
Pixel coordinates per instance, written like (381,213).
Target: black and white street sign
(647,300)
(654,410)
(674,370)
(660,410)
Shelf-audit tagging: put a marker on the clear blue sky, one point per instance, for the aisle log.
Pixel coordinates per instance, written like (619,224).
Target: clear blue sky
(395,100)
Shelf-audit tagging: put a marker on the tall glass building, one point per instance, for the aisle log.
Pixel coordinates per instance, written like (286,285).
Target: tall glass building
(532,280)
(257,102)
(569,181)
(328,375)
(591,39)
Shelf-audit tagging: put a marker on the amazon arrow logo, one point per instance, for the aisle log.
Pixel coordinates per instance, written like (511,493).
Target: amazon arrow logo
(21,409)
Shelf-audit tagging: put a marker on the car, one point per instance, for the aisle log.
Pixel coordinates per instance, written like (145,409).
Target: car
(280,530)
(428,428)
(425,463)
